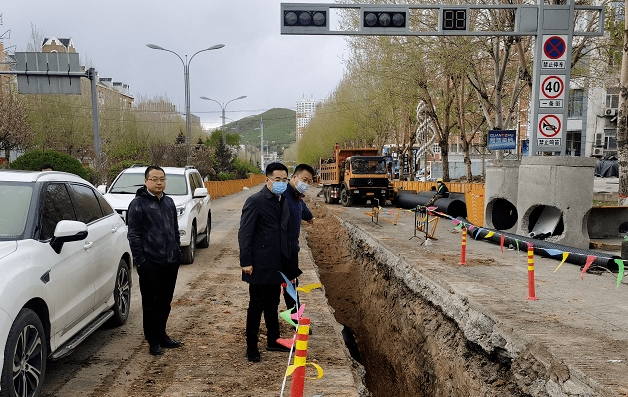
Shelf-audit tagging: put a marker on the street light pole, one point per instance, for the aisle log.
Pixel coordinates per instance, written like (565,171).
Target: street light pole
(223,106)
(261,127)
(186,79)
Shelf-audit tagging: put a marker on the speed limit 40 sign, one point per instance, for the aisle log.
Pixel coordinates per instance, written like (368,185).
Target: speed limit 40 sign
(552,92)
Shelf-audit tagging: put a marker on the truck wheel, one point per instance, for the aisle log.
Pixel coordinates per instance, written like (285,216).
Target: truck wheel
(326,194)
(345,198)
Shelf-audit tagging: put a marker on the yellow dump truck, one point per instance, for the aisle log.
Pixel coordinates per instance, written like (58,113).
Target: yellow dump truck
(354,176)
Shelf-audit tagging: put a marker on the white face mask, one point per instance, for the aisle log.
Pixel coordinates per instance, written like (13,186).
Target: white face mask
(302,186)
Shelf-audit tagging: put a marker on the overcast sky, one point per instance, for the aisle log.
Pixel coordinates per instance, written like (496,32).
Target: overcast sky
(272,70)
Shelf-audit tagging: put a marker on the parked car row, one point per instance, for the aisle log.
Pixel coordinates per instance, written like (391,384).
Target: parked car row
(65,262)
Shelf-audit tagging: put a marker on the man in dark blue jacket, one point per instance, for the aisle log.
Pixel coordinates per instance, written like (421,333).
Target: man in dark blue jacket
(264,252)
(153,234)
(298,184)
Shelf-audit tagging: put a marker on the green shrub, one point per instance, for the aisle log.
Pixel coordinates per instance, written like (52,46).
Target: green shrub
(224,176)
(34,159)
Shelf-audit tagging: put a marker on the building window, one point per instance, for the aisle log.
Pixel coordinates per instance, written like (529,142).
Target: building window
(610,139)
(576,103)
(612,98)
(574,143)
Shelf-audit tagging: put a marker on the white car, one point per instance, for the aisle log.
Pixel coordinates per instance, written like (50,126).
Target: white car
(185,186)
(64,271)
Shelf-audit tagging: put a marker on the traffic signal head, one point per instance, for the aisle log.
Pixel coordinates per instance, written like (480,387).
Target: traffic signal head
(304,19)
(384,19)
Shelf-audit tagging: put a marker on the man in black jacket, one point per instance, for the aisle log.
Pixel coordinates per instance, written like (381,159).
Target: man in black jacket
(153,234)
(298,184)
(264,252)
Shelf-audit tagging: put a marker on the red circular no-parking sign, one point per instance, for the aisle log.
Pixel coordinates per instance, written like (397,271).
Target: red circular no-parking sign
(549,125)
(554,47)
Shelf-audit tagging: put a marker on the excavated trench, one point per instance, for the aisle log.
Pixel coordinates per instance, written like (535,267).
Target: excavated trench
(407,345)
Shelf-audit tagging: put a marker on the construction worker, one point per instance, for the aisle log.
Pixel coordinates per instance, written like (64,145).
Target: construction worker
(441,192)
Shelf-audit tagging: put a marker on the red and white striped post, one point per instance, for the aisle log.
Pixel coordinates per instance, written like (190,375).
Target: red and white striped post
(531,295)
(463,252)
(300,353)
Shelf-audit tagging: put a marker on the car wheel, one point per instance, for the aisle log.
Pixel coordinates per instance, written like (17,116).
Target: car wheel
(121,295)
(189,251)
(24,356)
(345,199)
(204,243)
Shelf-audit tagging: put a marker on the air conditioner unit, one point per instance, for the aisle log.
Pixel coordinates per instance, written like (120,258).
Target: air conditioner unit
(599,138)
(598,151)
(610,112)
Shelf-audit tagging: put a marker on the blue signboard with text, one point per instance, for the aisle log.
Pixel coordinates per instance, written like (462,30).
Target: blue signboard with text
(502,140)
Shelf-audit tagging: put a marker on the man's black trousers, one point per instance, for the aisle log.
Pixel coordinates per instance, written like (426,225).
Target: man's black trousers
(263,298)
(157,282)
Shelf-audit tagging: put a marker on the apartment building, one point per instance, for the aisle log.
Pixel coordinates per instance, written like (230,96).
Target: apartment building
(306,108)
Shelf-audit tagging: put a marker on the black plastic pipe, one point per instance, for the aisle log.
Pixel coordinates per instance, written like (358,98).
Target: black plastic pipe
(539,246)
(449,206)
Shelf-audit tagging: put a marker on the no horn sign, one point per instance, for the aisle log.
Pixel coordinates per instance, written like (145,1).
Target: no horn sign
(550,125)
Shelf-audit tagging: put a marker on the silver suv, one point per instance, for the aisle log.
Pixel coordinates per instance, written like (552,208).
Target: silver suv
(185,186)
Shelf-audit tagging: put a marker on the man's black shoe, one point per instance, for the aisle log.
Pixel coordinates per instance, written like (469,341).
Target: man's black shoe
(253,355)
(169,343)
(155,349)
(276,347)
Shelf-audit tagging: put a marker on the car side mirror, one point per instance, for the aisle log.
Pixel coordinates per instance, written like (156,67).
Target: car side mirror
(67,231)
(200,192)
(102,189)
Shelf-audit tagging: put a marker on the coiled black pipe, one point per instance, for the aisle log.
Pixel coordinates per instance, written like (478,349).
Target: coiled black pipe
(539,246)
(449,206)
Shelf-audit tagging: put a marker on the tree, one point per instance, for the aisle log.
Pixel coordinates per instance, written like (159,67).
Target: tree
(622,122)
(223,157)
(216,136)
(14,130)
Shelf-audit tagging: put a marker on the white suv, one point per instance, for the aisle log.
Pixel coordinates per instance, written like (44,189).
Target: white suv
(64,270)
(185,186)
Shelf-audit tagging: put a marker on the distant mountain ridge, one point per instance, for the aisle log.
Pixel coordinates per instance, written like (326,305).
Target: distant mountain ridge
(279,126)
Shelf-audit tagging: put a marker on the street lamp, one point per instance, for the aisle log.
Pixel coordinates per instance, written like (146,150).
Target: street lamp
(261,147)
(223,106)
(186,78)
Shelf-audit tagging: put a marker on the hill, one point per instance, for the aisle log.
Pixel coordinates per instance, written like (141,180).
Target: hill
(279,126)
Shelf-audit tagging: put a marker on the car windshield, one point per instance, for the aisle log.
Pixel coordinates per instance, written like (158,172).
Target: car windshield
(129,182)
(363,166)
(15,199)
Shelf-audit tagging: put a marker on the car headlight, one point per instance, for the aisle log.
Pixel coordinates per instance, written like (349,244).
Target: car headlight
(180,210)
(383,192)
(357,191)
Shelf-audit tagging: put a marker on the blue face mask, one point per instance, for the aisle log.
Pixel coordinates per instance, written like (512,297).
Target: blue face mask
(302,186)
(279,187)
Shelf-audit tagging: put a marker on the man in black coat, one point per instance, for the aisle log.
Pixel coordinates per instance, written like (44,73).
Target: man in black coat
(264,252)
(153,234)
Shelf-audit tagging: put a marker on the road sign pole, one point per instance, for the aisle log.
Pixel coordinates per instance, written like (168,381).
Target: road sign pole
(91,74)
